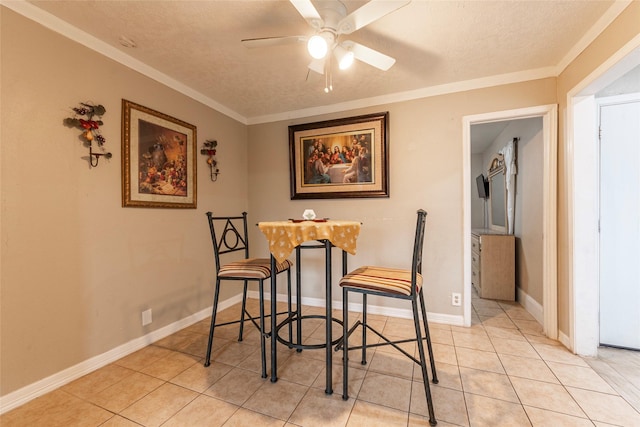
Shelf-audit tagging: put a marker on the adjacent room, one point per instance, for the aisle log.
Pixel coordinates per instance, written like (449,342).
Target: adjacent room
(128,126)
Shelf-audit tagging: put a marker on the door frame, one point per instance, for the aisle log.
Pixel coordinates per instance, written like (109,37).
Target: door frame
(582,176)
(606,101)
(549,115)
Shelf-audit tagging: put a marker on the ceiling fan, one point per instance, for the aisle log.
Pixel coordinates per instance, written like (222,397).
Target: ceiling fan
(330,21)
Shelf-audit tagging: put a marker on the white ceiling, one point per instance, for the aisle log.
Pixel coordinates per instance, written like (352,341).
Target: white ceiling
(440,46)
(484,134)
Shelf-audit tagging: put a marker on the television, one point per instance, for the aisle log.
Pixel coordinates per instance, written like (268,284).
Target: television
(483,187)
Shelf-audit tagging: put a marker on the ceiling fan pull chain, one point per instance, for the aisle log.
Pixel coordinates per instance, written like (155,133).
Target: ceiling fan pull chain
(328,77)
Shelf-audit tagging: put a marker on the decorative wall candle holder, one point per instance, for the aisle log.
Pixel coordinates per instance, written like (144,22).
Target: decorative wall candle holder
(209,149)
(90,126)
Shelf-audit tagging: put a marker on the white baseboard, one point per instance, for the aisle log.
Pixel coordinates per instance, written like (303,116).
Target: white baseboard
(532,306)
(564,339)
(373,309)
(536,310)
(31,391)
(46,385)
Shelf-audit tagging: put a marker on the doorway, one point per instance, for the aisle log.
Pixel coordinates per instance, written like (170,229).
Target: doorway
(619,245)
(583,206)
(548,114)
(525,219)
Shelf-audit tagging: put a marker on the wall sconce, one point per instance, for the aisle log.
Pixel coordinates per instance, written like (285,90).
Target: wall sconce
(96,156)
(209,149)
(90,129)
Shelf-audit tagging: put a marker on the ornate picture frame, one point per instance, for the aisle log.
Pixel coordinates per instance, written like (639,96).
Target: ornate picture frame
(342,158)
(158,159)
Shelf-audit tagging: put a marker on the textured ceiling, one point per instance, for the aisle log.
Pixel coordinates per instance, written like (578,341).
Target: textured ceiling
(437,44)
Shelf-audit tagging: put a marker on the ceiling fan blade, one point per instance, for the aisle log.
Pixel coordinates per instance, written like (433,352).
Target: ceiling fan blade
(308,12)
(272,41)
(368,13)
(369,56)
(317,65)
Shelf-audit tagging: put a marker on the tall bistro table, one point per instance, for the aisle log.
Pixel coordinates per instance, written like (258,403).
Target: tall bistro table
(283,238)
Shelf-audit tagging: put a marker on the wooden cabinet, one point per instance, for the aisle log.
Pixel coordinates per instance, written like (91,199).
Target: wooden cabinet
(493,271)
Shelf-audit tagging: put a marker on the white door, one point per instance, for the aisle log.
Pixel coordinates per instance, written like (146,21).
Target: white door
(620,222)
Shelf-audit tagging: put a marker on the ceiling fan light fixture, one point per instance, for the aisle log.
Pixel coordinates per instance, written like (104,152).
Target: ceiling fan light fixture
(317,46)
(344,56)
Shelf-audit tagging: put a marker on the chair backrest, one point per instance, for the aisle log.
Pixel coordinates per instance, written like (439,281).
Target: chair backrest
(416,264)
(228,234)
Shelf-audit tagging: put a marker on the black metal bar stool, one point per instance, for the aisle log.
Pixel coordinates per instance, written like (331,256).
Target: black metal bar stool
(393,283)
(234,237)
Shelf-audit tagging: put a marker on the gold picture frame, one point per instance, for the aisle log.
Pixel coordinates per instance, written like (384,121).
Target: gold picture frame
(158,159)
(343,158)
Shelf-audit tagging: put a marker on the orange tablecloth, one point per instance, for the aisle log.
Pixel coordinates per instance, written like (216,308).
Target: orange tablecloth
(284,236)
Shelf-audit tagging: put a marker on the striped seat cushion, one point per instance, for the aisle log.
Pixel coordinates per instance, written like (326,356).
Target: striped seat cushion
(382,279)
(252,268)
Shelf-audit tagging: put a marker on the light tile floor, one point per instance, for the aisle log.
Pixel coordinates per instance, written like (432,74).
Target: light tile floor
(499,372)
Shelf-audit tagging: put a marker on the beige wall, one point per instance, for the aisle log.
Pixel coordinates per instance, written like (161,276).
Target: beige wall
(77,268)
(425,171)
(479,213)
(622,30)
(528,204)
(528,211)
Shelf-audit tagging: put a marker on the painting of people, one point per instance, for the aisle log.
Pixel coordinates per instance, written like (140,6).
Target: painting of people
(340,158)
(158,159)
(162,156)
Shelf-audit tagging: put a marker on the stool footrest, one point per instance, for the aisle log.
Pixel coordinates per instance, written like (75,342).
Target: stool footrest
(341,340)
(387,341)
(251,317)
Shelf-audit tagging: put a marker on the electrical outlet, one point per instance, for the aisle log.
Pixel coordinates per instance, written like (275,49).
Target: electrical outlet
(146,317)
(456,299)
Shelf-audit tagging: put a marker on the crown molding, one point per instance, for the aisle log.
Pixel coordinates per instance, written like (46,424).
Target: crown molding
(427,92)
(56,24)
(60,26)
(601,24)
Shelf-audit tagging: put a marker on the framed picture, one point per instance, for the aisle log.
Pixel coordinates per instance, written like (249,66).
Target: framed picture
(158,159)
(341,158)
